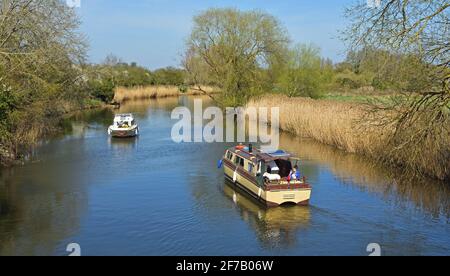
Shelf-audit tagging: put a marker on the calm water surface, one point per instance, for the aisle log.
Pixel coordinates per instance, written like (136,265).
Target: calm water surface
(150,196)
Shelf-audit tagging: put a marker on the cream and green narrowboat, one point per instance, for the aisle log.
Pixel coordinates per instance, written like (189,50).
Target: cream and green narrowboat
(271,177)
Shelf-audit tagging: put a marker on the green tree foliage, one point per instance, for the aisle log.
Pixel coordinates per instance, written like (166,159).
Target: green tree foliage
(169,76)
(384,70)
(40,54)
(305,73)
(234,51)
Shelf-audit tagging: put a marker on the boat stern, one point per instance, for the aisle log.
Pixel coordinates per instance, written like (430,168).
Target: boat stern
(298,196)
(123,133)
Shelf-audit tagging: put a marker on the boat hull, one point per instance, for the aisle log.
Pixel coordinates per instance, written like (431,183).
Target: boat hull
(270,198)
(123,133)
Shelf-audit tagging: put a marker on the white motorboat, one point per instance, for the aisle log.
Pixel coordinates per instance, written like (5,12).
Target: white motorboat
(124,126)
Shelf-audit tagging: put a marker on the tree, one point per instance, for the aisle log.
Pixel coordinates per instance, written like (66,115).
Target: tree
(233,50)
(40,56)
(306,73)
(419,28)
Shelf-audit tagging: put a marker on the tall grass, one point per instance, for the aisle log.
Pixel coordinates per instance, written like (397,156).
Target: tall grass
(345,125)
(123,94)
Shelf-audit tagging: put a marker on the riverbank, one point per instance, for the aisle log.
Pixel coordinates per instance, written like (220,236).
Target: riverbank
(345,125)
(123,94)
(26,136)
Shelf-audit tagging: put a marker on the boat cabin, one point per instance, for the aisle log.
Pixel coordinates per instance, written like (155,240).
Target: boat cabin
(271,177)
(124,120)
(277,167)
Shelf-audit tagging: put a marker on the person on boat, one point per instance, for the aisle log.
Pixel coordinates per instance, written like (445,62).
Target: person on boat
(271,177)
(295,174)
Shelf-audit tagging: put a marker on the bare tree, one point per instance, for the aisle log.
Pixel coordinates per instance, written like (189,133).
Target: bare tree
(420,121)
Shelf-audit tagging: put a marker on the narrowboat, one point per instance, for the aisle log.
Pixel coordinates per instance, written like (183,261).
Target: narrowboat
(271,177)
(124,126)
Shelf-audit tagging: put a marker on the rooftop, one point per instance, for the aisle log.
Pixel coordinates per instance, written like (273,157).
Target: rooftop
(262,155)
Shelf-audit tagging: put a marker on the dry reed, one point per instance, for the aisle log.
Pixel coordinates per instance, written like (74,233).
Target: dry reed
(346,126)
(362,172)
(123,94)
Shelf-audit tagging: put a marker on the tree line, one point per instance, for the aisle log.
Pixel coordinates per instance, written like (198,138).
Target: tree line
(102,79)
(248,53)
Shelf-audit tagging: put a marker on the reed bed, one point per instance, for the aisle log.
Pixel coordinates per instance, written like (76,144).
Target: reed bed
(123,94)
(345,125)
(358,171)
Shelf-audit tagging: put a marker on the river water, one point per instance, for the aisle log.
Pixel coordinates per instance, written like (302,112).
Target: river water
(151,196)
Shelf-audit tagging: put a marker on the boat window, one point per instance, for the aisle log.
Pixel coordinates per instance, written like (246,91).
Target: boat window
(239,161)
(250,167)
(229,155)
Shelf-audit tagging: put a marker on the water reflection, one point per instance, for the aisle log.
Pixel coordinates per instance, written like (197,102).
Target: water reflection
(92,118)
(143,107)
(427,194)
(274,227)
(130,143)
(38,208)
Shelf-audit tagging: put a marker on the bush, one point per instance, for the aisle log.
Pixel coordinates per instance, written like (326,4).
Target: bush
(102,90)
(352,80)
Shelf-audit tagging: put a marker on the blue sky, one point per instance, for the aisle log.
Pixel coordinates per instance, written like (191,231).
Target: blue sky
(153,32)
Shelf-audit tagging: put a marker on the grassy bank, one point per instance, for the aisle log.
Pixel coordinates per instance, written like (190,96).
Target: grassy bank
(123,94)
(345,126)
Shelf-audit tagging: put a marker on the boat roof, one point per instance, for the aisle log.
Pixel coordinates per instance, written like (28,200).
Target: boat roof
(265,156)
(124,116)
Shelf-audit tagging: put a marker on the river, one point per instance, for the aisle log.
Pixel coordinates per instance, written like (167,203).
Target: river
(151,196)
